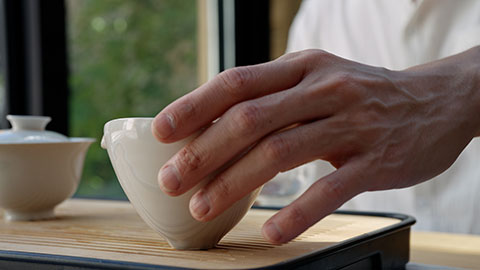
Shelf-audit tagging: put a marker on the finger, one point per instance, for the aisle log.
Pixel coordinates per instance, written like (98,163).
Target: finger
(275,153)
(211,100)
(240,127)
(321,199)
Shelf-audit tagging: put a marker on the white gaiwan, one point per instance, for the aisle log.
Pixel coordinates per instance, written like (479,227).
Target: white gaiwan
(137,157)
(38,169)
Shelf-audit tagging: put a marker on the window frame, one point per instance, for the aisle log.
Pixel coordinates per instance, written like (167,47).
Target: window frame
(244,32)
(36,67)
(36,58)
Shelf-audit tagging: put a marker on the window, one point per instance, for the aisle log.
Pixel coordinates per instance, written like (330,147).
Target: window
(282,13)
(127,58)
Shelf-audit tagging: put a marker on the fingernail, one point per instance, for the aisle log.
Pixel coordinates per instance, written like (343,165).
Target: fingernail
(164,125)
(168,179)
(199,206)
(271,232)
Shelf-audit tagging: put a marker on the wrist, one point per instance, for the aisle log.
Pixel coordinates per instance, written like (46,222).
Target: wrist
(457,79)
(475,69)
(477,84)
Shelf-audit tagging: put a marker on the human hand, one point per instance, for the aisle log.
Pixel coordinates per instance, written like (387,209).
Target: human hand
(381,129)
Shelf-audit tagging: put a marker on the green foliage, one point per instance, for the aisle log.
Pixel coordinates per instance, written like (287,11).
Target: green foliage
(127,58)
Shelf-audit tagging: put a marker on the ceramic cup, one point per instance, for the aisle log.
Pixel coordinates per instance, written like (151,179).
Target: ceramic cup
(38,169)
(137,157)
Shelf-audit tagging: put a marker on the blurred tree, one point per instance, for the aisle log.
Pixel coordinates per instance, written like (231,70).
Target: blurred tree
(127,58)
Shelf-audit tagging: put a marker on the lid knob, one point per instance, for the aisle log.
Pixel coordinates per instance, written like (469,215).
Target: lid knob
(30,129)
(26,122)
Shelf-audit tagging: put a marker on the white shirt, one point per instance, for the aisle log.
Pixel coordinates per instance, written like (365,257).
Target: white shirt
(397,34)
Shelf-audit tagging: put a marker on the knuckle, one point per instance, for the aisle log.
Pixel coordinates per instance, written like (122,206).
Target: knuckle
(246,119)
(289,56)
(189,159)
(222,188)
(309,53)
(314,57)
(302,55)
(334,188)
(187,109)
(296,215)
(277,148)
(344,80)
(319,53)
(346,88)
(235,80)
(320,57)
(309,59)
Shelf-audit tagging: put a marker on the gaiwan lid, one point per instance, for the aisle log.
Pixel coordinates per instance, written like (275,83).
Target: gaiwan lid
(30,129)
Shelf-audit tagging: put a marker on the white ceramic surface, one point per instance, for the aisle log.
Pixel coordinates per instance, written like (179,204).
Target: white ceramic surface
(38,169)
(30,129)
(137,157)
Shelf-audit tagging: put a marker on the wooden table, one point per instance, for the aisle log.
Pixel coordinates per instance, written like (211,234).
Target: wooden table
(455,250)
(111,230)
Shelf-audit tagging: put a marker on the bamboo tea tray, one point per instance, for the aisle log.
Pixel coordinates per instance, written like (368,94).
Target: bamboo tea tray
(95,234)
